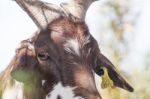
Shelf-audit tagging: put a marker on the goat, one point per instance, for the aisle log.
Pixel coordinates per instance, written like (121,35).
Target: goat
(60,66)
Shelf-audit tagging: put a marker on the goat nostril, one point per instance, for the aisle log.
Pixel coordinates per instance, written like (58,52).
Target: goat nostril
(43,56)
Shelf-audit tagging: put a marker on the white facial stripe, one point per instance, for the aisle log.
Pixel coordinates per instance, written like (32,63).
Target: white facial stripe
(13,92)
(72,46)
(63,92)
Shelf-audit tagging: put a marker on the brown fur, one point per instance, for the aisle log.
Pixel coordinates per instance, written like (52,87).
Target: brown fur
(71,70)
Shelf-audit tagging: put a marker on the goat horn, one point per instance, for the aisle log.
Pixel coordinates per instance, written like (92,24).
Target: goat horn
(40,12)
(43,13)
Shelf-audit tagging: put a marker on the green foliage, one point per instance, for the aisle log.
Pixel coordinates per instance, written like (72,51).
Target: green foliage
(28,78)
(24,75)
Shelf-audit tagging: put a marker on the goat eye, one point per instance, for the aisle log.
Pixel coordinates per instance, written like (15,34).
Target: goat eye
(43,56)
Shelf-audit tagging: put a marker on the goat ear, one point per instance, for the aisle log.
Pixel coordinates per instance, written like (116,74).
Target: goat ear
(114,75)
(24,63)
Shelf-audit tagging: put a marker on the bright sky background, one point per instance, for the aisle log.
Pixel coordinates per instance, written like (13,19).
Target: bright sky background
(140,46)
(16,26)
